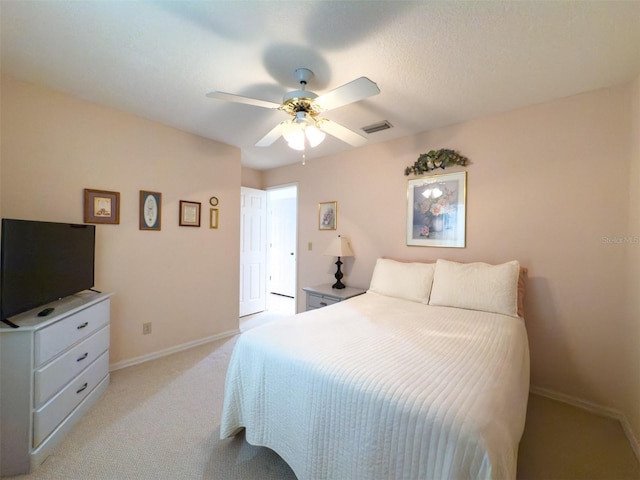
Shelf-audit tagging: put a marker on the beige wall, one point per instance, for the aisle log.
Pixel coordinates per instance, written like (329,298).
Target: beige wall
(632,324)
(251,178)
(183,279)
(546,184)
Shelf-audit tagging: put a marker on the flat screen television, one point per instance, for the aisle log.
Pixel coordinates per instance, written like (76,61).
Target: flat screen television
(43,261)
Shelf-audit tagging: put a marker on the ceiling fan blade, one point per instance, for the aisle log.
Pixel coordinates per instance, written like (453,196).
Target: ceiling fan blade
(351,92)
(230,97)
(272,136)
(342,133)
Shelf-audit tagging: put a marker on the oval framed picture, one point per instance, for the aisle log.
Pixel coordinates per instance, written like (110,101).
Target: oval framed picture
(150,210)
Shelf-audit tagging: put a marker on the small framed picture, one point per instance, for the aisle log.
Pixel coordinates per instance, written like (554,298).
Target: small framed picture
(189,214)
(101,206)
(150,210)
(213,218)
(327,216)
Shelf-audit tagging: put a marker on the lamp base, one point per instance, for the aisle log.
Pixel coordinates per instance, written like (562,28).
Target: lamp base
(338,285)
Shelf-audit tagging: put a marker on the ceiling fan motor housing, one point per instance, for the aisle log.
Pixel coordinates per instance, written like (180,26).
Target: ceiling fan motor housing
(300,101)
(298,95)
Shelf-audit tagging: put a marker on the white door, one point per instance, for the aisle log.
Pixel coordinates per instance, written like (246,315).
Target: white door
(253,250)
(282,241)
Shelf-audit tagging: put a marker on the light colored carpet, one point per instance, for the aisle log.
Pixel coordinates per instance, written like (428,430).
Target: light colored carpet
(160,420)
(278,306)
(567,443)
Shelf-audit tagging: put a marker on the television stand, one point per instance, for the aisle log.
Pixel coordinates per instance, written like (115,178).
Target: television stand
(10,323)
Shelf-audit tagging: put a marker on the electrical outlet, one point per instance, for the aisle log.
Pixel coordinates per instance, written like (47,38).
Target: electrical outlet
(310,246)
(146,328)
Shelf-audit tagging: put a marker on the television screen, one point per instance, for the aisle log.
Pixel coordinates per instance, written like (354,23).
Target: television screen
(42,262)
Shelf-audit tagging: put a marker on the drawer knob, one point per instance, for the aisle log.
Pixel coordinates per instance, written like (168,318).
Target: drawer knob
(84,387)
(80,327)
(323,304)
(82,357)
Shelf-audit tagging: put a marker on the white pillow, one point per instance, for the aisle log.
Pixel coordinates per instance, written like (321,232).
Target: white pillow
(476,286)
(410,281)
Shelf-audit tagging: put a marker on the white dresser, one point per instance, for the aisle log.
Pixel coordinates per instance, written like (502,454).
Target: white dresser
(52,369)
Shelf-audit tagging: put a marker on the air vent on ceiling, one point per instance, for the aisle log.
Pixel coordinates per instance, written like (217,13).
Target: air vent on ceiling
(377,127)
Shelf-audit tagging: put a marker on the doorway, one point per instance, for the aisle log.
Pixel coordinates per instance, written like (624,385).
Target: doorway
(268,252)
(282,233)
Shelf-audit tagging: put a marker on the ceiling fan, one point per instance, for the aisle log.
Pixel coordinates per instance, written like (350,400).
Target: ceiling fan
(307,127)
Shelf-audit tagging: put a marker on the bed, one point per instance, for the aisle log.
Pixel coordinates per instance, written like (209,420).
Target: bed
(424,376)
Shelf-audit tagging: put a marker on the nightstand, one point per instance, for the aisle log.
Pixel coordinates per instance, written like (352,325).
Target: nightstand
(323,295)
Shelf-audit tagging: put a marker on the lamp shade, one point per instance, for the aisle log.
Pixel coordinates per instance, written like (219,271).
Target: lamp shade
(339,247)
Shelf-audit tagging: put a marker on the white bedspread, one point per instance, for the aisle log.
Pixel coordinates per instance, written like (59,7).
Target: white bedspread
(381,388)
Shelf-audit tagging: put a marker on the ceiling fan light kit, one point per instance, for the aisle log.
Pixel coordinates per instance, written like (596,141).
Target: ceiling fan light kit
(306,128)
(302,130)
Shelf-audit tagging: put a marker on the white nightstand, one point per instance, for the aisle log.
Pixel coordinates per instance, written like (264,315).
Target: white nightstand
(323,295)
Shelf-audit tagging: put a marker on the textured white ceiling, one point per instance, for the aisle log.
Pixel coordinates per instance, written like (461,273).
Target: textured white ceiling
(436,63)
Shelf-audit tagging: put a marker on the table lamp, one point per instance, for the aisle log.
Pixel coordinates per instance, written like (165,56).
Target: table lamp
(339,247)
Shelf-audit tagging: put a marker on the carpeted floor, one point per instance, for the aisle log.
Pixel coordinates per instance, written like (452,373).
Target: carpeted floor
(160,420)
(563,442)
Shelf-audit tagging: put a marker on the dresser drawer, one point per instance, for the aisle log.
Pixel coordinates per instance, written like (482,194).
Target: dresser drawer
(54,375)
(56,338)
(319,301)
(47,418)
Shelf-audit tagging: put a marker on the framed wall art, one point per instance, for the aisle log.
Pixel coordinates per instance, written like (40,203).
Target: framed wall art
(436,210)
(327,216)
(101,206)
(150,210)
(189,214)
(213,218)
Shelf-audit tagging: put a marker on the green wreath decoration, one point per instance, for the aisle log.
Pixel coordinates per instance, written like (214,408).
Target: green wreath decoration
(436,159)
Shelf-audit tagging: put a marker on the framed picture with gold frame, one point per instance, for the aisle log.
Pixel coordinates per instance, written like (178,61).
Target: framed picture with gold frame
(327,215)
(101,206)
(189,213)
(213,218)
(150,210)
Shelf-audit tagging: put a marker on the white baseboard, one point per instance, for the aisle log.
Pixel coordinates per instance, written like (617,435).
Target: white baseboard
(169,351)
(633,440)
(593,408)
